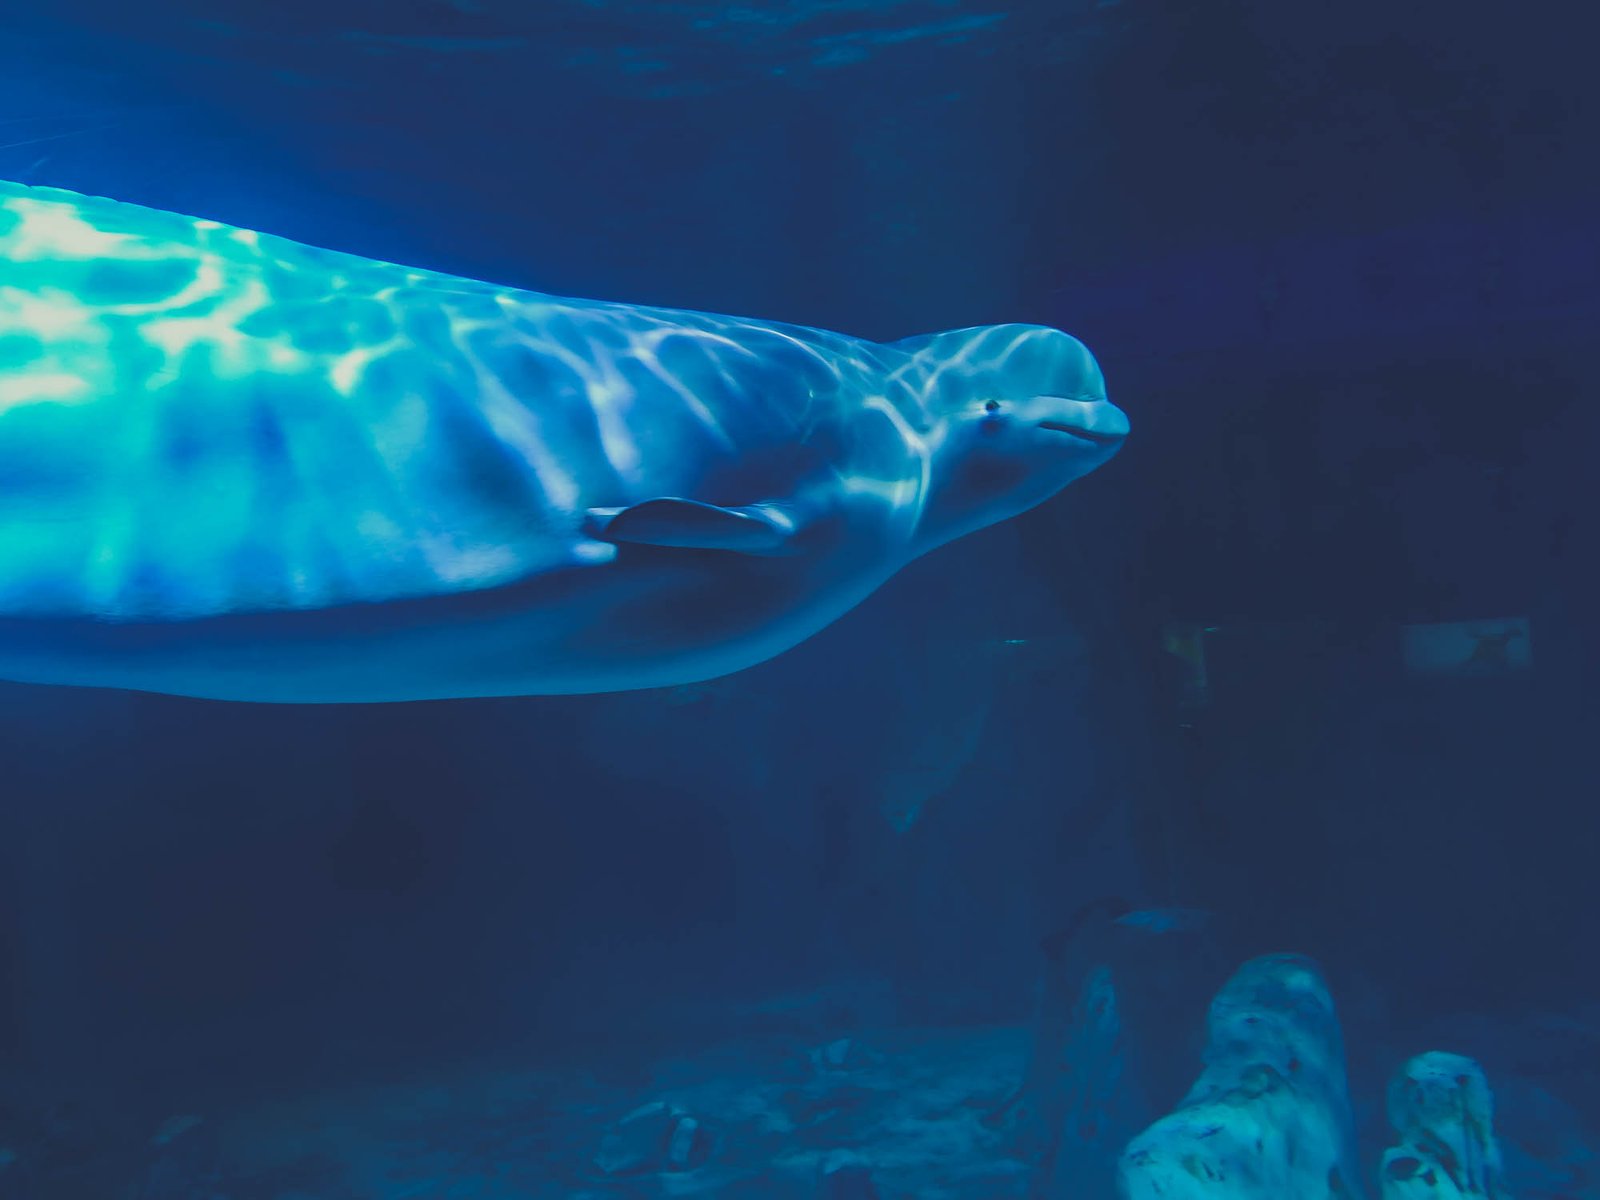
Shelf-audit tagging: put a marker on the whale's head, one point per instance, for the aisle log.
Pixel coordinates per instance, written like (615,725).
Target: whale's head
(1013,414)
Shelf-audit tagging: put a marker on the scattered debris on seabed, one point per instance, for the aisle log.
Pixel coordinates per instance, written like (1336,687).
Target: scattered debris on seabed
(1050,1111)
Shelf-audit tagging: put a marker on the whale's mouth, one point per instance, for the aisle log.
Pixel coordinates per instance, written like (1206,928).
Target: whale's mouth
(1078,431)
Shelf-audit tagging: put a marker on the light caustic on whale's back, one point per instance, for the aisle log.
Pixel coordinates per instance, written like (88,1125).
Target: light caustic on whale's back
(234,465)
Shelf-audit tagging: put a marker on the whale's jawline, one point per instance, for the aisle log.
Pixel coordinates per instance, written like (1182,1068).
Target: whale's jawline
(1077,431)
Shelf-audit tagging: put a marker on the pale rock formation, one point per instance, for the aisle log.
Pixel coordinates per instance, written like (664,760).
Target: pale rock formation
(1269,1116)
(1443,1113)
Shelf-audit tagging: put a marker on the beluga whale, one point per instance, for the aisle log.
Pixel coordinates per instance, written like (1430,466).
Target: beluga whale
(238,467)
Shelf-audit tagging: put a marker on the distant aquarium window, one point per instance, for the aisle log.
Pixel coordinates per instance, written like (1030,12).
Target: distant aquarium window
(1503,646)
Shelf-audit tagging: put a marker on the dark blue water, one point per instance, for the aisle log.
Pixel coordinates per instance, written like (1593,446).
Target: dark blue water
(1339,266)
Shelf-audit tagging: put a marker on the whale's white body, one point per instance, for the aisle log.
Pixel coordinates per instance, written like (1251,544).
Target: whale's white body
(234,466)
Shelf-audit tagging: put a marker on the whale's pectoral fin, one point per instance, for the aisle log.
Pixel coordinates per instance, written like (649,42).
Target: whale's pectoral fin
(692,524)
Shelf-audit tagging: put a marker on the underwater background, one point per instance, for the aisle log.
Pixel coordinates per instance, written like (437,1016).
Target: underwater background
(1309,667)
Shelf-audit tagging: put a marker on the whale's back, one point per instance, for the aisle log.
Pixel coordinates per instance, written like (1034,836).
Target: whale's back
(197,419)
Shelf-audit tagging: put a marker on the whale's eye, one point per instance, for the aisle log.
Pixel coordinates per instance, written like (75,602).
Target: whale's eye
(992,406)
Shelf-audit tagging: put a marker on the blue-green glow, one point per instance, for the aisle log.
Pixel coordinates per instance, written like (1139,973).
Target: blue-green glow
(200,421)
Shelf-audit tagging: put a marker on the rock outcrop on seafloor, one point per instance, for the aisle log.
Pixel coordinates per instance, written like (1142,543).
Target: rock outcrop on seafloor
(656,1137)
(1073,1108)
(1269,1116)
(1067,1117)
(1443,1113)
(1084,1090)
